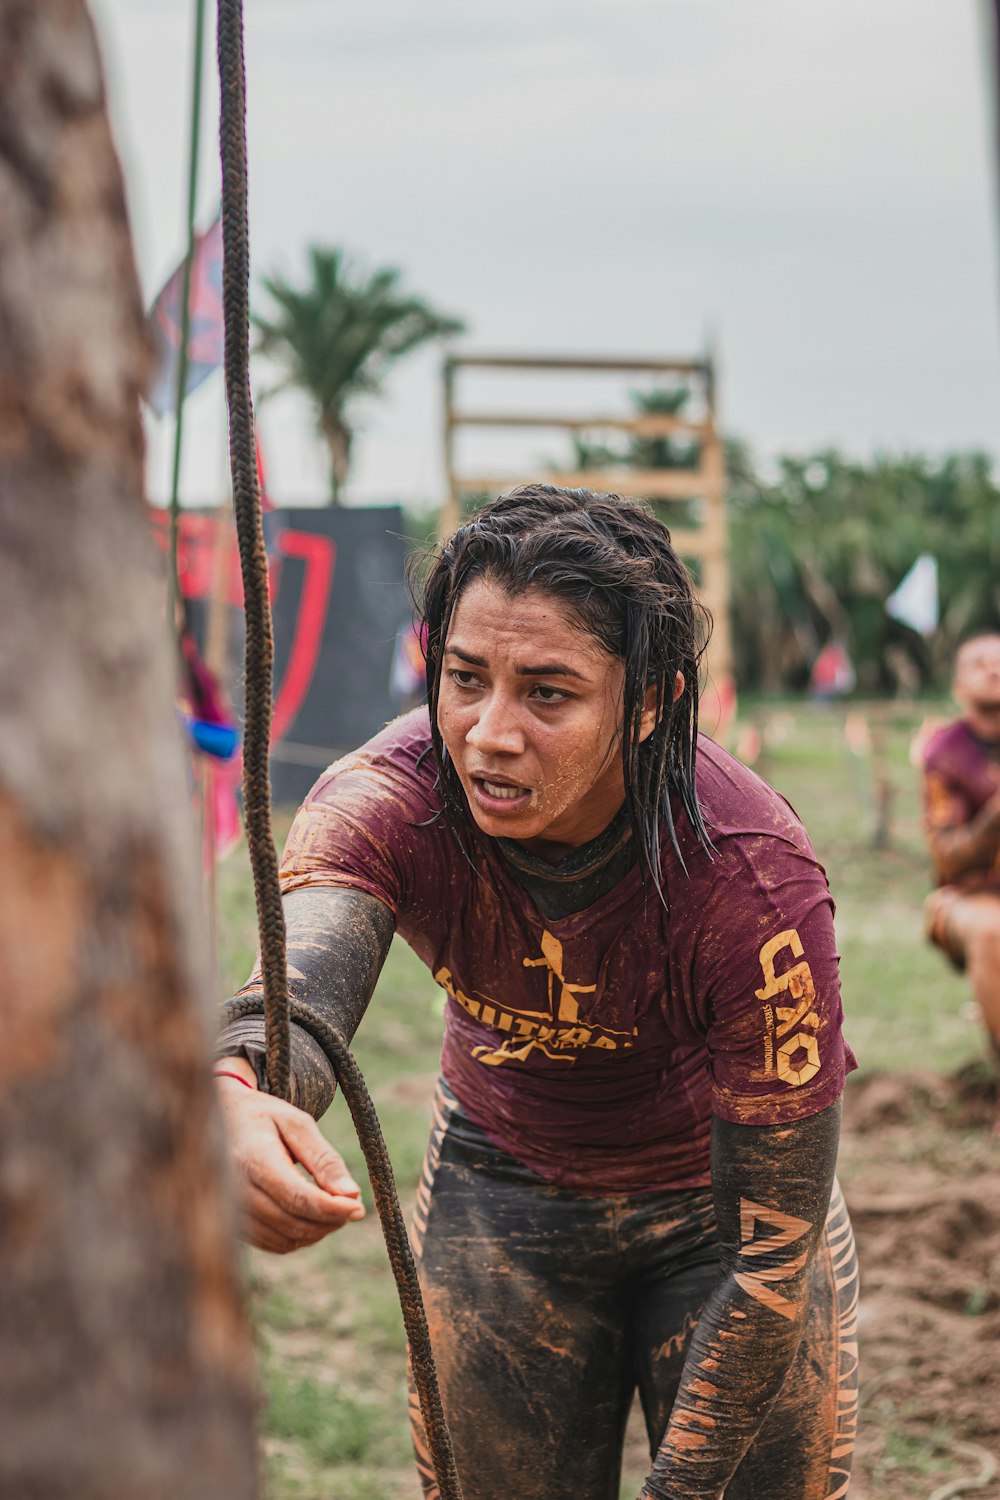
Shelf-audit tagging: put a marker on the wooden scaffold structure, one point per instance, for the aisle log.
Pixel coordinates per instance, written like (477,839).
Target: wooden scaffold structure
(691,500)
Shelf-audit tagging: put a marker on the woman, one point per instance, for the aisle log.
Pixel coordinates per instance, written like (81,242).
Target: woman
(629,1177)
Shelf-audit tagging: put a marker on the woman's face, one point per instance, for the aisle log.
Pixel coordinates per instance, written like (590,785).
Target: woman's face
(530,712)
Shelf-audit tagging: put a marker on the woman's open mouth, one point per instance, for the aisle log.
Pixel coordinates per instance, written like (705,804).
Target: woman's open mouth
(499,796)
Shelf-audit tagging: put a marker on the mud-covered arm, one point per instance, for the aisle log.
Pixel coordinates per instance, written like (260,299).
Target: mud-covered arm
(771,1185)
(337,941)
(960,845)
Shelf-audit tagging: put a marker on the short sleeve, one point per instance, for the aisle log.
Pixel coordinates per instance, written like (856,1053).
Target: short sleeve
(358,829)
(770,970)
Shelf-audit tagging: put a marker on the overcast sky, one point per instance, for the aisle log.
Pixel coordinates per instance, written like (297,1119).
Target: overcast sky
(808,185)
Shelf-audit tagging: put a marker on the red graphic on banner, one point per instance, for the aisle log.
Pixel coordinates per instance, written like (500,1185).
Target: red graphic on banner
(200,563)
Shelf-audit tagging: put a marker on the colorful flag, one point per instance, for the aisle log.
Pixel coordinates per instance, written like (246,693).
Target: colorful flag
(915,601)
(206,332)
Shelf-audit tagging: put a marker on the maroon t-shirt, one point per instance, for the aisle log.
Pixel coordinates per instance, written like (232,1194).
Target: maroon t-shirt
(595,1047)
(961,774)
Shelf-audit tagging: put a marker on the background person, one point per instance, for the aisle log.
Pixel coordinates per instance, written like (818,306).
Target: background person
(962,813)
(632,1154)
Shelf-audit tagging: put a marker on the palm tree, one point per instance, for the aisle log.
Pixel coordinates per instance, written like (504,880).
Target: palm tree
(337,336)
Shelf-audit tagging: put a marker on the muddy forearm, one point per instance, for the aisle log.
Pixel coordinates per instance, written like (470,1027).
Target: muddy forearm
(969,846)
(772,1189)
(337,941)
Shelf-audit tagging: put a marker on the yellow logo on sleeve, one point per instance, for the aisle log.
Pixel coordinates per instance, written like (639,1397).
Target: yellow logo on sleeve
(796,1059)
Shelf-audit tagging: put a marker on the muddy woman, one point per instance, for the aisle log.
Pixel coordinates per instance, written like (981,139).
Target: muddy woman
(630,1177)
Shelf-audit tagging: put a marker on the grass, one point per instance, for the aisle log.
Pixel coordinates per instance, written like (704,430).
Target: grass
(927,1457)
(332,1348)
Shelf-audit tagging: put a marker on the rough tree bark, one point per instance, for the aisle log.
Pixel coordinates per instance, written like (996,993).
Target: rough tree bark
(125,1361)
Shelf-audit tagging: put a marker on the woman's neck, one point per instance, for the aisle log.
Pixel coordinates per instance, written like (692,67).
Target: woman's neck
(573,881)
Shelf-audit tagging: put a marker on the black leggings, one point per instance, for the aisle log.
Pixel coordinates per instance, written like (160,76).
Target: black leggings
(547,1310)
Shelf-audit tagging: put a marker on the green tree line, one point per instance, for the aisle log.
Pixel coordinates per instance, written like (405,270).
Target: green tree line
(817,548)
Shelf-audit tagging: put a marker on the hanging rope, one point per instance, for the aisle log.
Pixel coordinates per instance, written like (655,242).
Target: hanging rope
(275,1005)
(259,645)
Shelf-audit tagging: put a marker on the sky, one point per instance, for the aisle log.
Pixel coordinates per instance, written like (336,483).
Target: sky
(807,189)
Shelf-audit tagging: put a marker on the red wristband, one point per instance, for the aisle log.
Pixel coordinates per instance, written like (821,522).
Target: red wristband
(222,1073)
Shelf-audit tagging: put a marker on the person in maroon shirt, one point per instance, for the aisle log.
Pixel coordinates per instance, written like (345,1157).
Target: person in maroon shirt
(962,817)
(630,1179)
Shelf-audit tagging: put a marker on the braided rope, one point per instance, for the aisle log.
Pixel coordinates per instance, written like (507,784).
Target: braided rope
(259,644)
(397,1243)
(277,1008)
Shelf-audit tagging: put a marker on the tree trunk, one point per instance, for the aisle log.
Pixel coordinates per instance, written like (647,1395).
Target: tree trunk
(338,440)
(125,1361)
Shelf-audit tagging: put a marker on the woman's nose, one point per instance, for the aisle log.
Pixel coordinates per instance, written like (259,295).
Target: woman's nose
(496,730)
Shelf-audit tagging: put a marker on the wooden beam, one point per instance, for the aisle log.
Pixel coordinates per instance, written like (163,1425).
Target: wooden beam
(450,512)
(652,424)
(686,540)
(578,362)
(645,484)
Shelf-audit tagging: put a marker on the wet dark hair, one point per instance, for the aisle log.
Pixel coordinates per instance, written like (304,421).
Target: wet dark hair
(610,562)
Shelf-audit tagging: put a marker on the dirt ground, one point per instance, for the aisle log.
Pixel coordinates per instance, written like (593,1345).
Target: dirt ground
(921,1172)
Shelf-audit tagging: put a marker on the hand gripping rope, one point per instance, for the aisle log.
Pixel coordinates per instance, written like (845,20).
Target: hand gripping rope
(277,1008)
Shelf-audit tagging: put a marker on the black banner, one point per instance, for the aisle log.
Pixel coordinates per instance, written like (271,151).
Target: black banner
(345,659)
(340,605)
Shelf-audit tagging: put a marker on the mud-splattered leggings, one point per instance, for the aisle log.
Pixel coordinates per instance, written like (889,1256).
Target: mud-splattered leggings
(548,1309)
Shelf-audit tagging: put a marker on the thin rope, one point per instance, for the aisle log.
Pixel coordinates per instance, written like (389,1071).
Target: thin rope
(277,1008)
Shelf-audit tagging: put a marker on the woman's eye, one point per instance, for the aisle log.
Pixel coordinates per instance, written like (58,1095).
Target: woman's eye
(546,694)
(463,679)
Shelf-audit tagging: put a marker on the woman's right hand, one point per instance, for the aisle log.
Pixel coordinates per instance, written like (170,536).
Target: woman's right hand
(282,1209)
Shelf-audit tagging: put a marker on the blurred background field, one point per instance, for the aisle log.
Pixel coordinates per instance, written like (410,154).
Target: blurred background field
(328,1324)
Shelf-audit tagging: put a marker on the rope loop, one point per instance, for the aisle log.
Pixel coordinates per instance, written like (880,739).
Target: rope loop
(366,1123)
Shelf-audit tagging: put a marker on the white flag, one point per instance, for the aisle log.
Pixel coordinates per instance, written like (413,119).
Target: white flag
(915,601)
